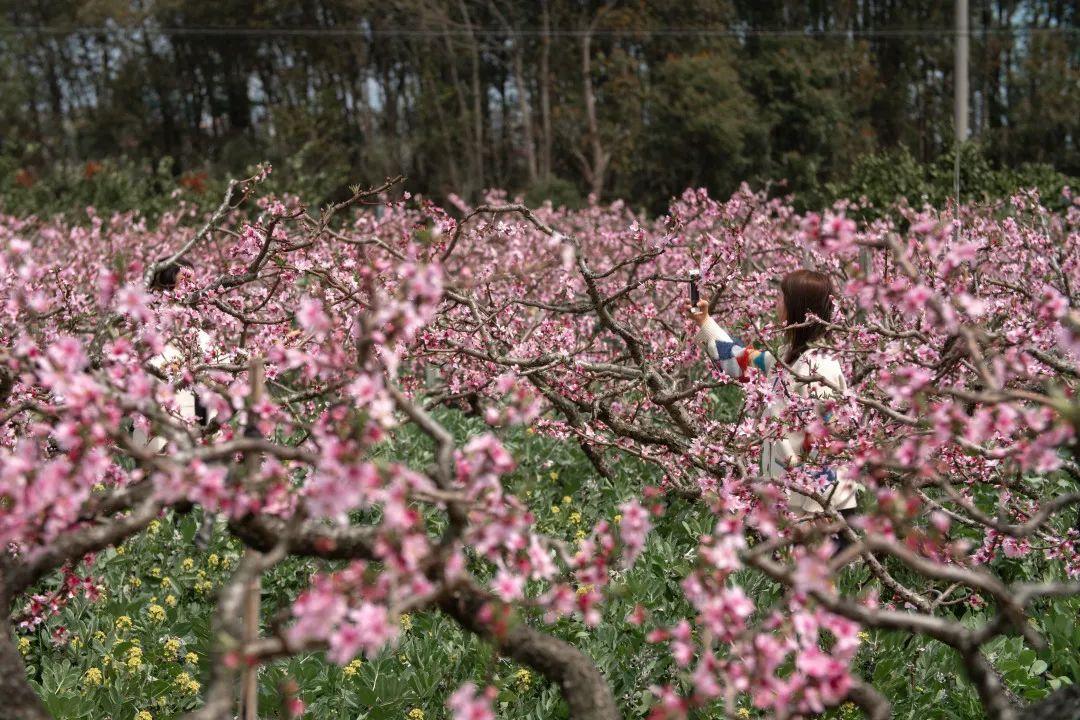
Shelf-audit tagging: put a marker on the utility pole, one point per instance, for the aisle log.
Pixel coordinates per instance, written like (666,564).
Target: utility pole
(961,47)
(960,91)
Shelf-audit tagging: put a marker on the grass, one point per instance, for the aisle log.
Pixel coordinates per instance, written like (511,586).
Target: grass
(160,593)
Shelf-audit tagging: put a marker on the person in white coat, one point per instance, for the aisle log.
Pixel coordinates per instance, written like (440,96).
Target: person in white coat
(188,405)
(805,295)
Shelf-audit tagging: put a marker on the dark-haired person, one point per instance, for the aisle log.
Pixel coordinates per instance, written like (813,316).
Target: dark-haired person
(804,295)
(188,403)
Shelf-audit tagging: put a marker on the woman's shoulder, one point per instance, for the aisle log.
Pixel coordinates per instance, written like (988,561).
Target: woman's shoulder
(819,360)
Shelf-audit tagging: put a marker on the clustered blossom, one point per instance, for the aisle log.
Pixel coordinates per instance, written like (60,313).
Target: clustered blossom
(308,348)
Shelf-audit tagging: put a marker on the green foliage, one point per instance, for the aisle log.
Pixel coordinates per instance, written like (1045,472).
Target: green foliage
(923,678)
(886,179)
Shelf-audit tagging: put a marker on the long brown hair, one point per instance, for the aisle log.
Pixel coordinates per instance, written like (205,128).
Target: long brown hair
(805,292)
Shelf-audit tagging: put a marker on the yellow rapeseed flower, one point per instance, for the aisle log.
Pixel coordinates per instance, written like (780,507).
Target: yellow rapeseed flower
(93,677)
(191,659)
(566,499)
(172,646)
(143,715)
(156,613)
(187,564)
(617,518)
(153,527)
(553,475)
(123,623)
(864,636)
(406,622)
(99,636)
(170,600)
(352,668)
(120,550)
(580,535)
(523,679)
(155,572)
(213,560)
(136,582)
(555,509)
(575,517)
(187,684)
(743,713)
(416,714)
(167,582)
(24,645)
(584,589)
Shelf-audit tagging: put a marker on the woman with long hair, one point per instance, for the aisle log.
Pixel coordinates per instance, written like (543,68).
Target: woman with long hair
(804,308)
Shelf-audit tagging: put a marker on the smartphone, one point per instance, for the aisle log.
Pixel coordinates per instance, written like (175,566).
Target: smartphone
(695,296)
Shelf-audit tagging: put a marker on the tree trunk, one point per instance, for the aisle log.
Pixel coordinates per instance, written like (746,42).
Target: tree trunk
(545,93)
(596,167)
(525,108)
(18,700)
(477,97)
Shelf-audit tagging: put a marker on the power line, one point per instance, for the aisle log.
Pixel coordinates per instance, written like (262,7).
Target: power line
(735,33)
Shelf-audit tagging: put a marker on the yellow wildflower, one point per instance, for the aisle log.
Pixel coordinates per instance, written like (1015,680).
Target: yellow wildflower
(213,560)
(864,636)
(566,500)
(575,517)
(134,659)
(523,679)
(187,684)
(93,677)
(120,550)
(99,487)
(156,613)
(580,535)
(170,600)
(191,659)
(136,582)
(123,623)
(406,622)
(743,713)
(416,714)
(76,642)
(553,475)
(155,572)
(617,518)
(187,564)
(143,715)
(584,589)
(172,646)
(555,509)
(153,527)
(24,645)
(352,668)
(99,636)
(227,563)
(167,582)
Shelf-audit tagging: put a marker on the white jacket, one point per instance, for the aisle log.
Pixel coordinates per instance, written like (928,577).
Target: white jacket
(778,455)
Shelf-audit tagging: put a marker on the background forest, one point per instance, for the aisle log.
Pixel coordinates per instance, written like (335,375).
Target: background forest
(555,98)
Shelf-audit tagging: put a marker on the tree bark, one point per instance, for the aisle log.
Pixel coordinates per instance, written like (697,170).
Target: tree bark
(583,687)
(18,700)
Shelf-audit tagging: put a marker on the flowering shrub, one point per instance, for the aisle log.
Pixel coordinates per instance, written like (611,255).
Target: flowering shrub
(313,340)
